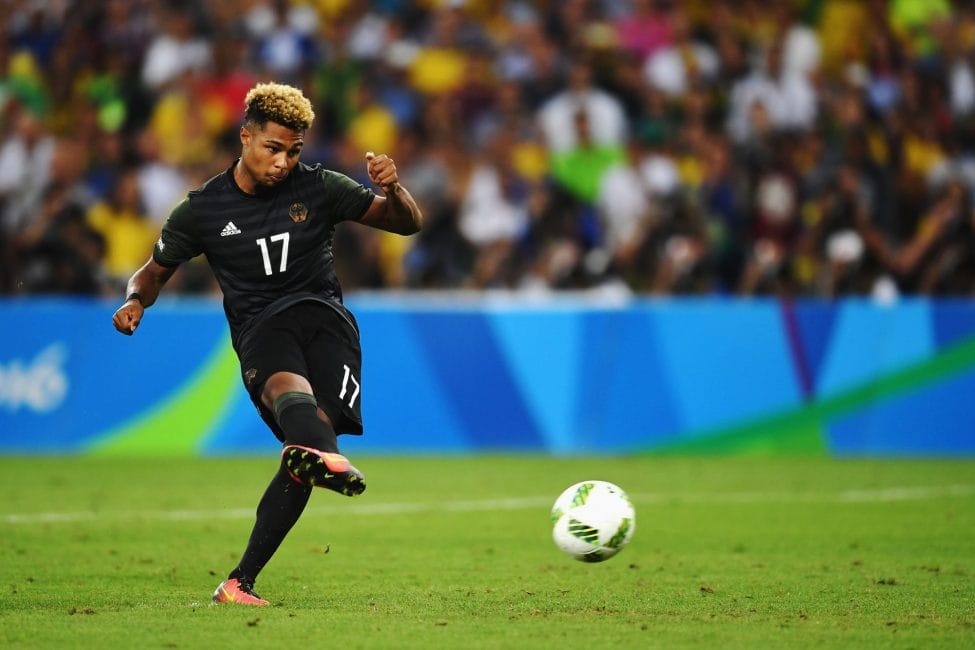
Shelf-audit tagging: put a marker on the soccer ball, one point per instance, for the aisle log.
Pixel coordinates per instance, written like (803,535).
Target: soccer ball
(592,521)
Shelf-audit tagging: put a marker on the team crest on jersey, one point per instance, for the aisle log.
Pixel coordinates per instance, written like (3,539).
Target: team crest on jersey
(298,212)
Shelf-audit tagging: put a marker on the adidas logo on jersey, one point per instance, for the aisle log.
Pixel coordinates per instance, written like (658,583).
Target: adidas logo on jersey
(229,229)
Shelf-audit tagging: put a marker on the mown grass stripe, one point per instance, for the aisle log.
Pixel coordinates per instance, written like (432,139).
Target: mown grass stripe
(878,495)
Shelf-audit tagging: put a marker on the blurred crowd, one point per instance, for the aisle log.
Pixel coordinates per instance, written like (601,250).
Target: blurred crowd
(798,148)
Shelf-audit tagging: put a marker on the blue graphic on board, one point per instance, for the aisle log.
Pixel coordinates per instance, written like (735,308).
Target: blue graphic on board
(870,341)
(66,374)
(564,376)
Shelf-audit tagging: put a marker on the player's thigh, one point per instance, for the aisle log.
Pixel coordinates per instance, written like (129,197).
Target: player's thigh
(334,361)
(275,347)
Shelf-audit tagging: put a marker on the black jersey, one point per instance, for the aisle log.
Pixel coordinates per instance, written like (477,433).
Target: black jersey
(270,250)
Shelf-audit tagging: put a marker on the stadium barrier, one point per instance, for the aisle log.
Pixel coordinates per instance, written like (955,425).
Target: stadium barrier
(566,375)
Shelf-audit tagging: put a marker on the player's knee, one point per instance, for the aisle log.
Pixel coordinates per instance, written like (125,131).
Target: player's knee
(282,383)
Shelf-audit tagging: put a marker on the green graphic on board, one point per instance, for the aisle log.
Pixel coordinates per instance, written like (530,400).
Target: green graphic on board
(803,430)
(178,424)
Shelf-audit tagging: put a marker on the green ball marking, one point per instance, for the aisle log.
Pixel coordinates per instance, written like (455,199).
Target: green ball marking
(582,494)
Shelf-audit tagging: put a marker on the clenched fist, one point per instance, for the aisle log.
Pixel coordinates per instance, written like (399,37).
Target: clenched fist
(128,316)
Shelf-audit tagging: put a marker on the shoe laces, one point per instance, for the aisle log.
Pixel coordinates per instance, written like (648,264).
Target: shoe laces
(246,587)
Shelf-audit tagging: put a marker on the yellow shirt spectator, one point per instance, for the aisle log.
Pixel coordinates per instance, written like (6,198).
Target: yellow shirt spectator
(437,70)
(129,234)
(373,129)
(180,127)
(921,154)
(913,19)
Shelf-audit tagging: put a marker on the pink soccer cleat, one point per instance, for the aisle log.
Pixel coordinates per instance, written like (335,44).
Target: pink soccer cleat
(323,469)
(232,591)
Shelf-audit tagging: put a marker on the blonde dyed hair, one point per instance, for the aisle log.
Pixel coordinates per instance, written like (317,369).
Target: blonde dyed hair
(278,103)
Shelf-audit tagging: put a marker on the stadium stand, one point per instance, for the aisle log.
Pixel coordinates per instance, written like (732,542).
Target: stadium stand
(799,148)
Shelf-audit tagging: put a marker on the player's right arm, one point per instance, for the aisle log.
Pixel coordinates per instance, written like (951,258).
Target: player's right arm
(177,244)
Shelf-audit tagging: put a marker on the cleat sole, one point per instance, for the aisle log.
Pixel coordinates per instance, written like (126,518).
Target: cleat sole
(322,469)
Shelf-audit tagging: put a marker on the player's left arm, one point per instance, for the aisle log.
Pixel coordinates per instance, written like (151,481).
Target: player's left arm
(396,211)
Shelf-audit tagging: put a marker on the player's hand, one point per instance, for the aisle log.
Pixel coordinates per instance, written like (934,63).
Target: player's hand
(128,316)
(382,170)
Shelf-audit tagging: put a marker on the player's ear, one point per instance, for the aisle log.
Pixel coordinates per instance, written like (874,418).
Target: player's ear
(245,136)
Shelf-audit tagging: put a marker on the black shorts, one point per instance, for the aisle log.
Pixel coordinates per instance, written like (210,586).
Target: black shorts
(313,340)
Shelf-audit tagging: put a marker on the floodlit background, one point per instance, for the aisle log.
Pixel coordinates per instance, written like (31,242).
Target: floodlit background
(651,225)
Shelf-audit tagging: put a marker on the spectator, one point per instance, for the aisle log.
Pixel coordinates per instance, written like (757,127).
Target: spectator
(440,63)
(644,29)
(494,214)
(580,169)
(603,113)
(787,97)
(935,240)
(25,167)
(36,28)
(284,46)
(441,257)
(627,214)
(65,257)
(126,230)
(221,88)
(178,48)
(801,51)
(161,185)
(684,62)
(913,22)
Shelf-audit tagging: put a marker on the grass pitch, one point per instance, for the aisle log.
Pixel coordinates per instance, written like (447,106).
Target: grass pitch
(457,553)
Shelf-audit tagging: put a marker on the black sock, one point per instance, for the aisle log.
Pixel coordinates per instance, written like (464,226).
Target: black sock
(279,509)
(297,415)
(285,499)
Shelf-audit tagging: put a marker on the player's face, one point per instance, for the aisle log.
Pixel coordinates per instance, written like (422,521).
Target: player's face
(269,154)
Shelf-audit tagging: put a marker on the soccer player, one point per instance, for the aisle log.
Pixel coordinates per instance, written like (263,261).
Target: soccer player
(266,226)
